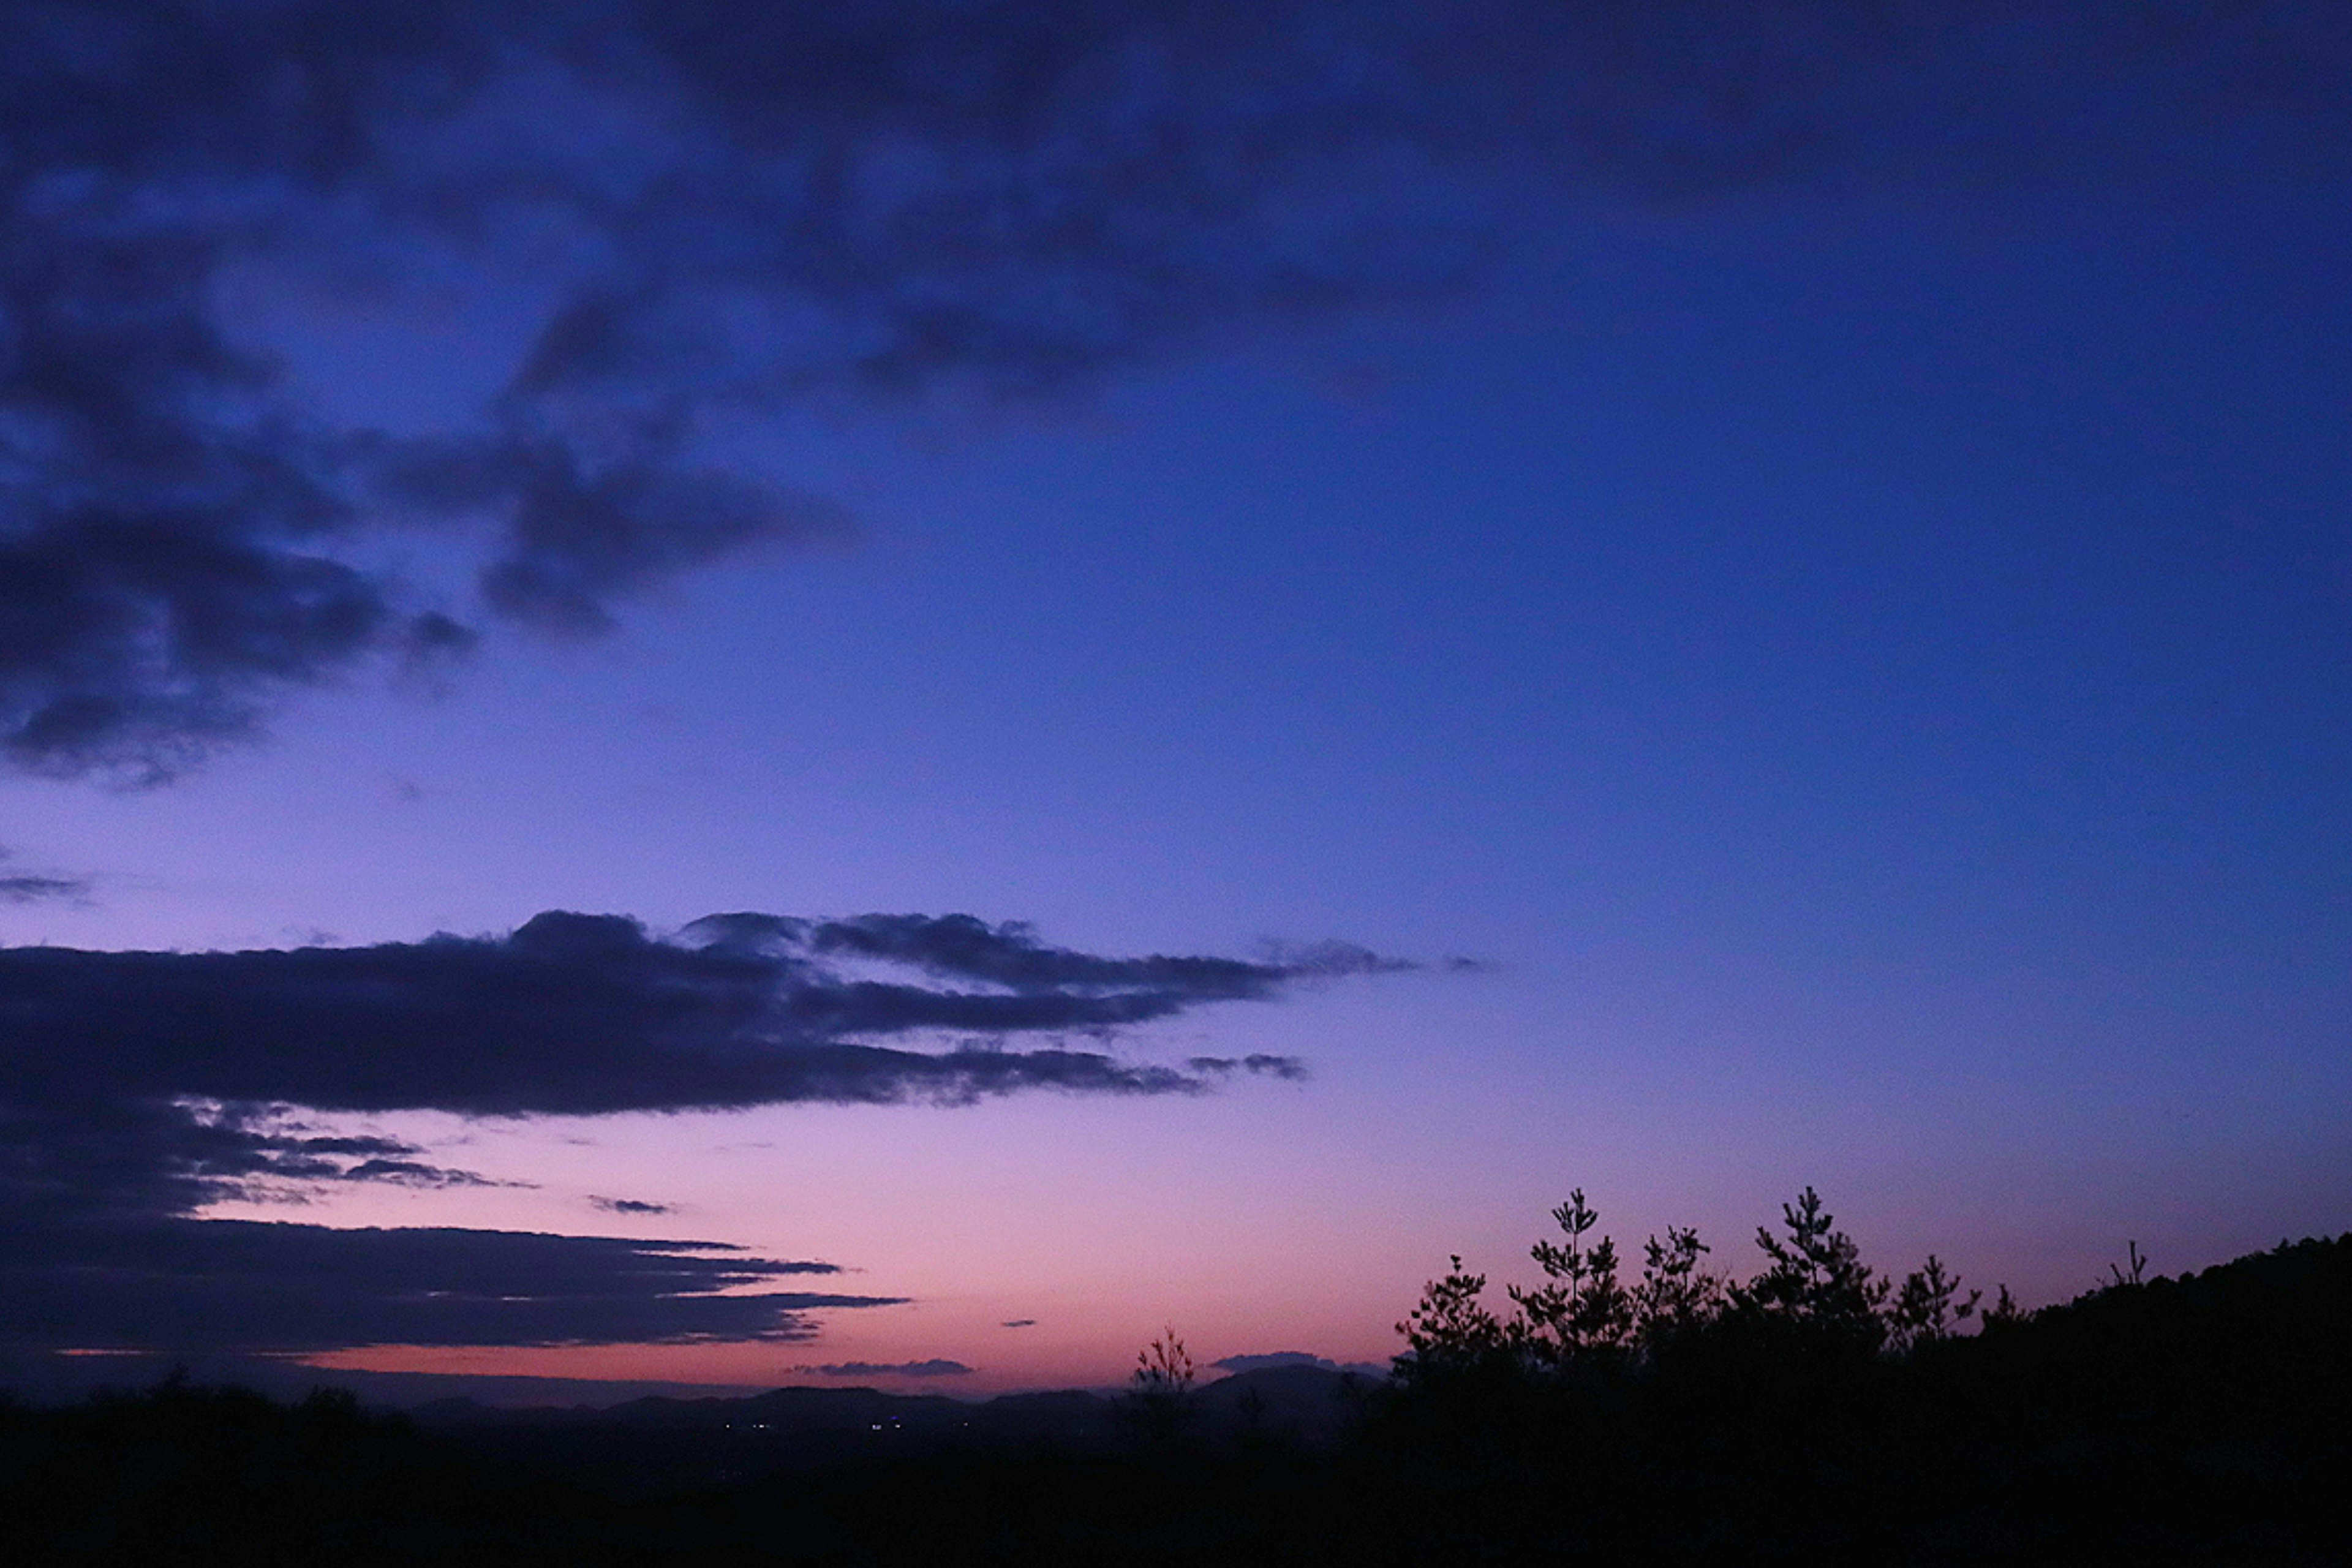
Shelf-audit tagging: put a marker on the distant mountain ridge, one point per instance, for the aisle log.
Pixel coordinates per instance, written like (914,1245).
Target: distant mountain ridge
(659,1442)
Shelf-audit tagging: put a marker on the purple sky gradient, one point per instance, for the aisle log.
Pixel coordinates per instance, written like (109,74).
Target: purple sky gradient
(1859,657)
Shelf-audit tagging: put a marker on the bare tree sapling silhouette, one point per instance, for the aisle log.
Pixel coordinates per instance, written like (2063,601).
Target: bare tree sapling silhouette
(1156,1400)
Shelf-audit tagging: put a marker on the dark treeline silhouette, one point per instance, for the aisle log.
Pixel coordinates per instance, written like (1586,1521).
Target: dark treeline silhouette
(1818,1411)
(1815,1411)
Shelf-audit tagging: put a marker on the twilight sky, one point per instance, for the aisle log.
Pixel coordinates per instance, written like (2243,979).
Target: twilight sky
(1401,608)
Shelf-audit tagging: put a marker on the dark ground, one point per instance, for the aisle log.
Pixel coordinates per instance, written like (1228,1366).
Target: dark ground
(2205,1419)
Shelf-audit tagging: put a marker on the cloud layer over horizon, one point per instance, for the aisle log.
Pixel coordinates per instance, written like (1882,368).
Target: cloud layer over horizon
(702,207)
(135,1088)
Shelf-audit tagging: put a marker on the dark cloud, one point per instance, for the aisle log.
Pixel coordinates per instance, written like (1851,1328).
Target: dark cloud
(35,888)
(701,206)
(1020,1323)
(214,1286)
(579,536)
(136,1087)
(935,1368)
(150,1082)
(589,1014)
(25,889)
(630,1206)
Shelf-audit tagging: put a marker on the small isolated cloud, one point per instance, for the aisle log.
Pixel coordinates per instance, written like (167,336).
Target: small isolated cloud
(939,1367)
(1274,1358)
(1020,1323)
(35,888)
(21,888)
(630,1206)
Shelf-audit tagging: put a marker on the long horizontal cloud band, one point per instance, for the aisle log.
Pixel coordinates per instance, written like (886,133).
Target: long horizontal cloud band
(586,1013)
(866,198)
(231,1284)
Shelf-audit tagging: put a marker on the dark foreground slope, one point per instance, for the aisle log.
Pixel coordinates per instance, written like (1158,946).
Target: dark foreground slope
(2204,1419)
(2196,1420)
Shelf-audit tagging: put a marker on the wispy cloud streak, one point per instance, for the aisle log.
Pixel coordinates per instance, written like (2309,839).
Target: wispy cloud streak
(36,887)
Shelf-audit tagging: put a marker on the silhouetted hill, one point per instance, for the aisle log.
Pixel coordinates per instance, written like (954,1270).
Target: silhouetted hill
(1310,1405)
(658,1443)
(654,1444)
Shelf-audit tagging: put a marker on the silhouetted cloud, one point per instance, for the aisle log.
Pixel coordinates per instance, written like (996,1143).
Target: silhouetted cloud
(216,1286)
(136,1087)
(702,206)
(34,888)
(1019,1323)
(25,889)
(590,1013)
(139,1083)
(935,1368)
(629,1205)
